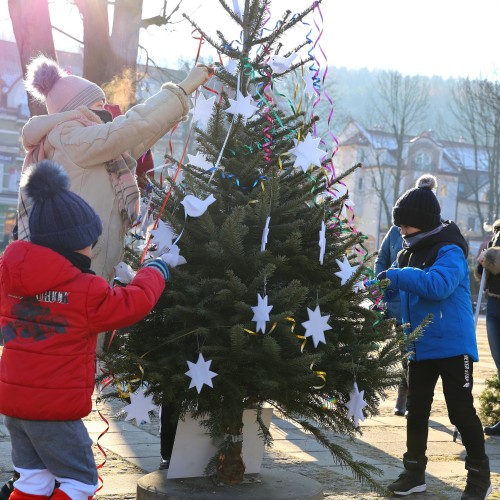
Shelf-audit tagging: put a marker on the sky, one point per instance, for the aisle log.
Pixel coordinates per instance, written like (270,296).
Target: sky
(449,38)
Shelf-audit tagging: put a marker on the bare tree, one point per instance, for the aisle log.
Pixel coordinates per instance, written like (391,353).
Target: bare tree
(401,110)
(33,32)
(106,57)
(476,104)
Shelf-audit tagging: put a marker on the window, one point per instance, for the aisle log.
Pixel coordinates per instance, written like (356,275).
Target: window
(361,184)
(471,223)
(443,190)
(10,178)
(461,187)
(423,161)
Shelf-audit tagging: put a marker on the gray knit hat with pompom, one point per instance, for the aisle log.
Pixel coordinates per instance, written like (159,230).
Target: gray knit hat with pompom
(58,218)
(47,82)
(418,207)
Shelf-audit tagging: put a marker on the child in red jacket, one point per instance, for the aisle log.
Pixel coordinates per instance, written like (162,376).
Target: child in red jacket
(52,307)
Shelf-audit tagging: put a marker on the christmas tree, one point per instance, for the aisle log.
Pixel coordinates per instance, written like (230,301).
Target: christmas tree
(270,307)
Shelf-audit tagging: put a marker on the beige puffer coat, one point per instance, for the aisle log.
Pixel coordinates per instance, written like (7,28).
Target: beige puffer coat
(84,151)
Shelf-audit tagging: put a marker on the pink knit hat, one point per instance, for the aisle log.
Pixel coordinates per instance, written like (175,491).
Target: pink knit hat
(47,82)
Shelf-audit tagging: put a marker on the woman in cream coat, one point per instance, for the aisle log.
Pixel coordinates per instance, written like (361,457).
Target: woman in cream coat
(98,152)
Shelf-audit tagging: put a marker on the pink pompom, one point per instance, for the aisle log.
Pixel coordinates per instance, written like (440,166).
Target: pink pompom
(41,75)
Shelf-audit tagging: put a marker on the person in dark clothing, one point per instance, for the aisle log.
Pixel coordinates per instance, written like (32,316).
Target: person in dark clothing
(387,254)
(169,416)
(432,277)
(490,260)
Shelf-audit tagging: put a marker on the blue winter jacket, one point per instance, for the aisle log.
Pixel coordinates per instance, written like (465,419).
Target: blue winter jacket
(442,289)
(391,245)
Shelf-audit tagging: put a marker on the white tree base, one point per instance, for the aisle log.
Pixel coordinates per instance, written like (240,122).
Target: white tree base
(193,446)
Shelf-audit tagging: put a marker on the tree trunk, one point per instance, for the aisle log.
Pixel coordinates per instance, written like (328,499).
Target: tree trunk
(97,55)
(33,33)
(231,466)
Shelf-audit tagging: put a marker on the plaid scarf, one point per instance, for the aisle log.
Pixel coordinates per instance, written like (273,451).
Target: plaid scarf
(121,172)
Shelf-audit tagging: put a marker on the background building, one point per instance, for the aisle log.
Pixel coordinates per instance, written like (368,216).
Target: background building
(461,170)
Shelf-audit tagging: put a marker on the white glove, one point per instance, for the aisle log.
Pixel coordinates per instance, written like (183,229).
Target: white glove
(173,258)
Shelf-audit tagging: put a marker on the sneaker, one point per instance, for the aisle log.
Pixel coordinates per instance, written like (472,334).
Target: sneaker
(408,482)
(164,464)
(476,492)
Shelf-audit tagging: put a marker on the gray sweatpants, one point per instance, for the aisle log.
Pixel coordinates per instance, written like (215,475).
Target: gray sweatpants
(63,449)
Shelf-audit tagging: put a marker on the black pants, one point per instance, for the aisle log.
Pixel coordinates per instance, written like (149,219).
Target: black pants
(168,422)
(456,374)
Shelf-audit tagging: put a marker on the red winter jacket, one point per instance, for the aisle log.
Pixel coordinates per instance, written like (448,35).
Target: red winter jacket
(50,315)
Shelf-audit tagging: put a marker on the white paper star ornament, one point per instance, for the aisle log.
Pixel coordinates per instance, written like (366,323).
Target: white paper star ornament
(261,313)
(316,326)
(200,373)
(355,405)
(307,152)
(139,407)
(200,160)
(243,105)
(203,111)
(346,270)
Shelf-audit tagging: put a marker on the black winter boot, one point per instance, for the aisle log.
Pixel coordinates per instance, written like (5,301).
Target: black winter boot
(492,430)
(412,479)
(400,406)
(478,479)
(8,487)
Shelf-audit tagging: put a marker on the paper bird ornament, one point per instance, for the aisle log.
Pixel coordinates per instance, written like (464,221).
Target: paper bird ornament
(203,110)
(316,326)
(307,152)
(162,237)
(194,207)
(261,313)
(242,106)
(200,373)
(322,242)
(265,233)
(355,405)
(346,270)
(200,160)
(139,407)
(124,273)
(281,64)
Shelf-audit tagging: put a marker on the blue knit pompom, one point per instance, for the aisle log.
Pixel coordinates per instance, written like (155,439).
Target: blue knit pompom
(45,180)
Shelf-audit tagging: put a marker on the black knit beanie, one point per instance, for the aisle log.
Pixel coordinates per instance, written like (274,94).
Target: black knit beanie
(418,207)
(58,218)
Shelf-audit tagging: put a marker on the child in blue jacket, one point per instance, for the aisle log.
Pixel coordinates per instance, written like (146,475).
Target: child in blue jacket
(432,276)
